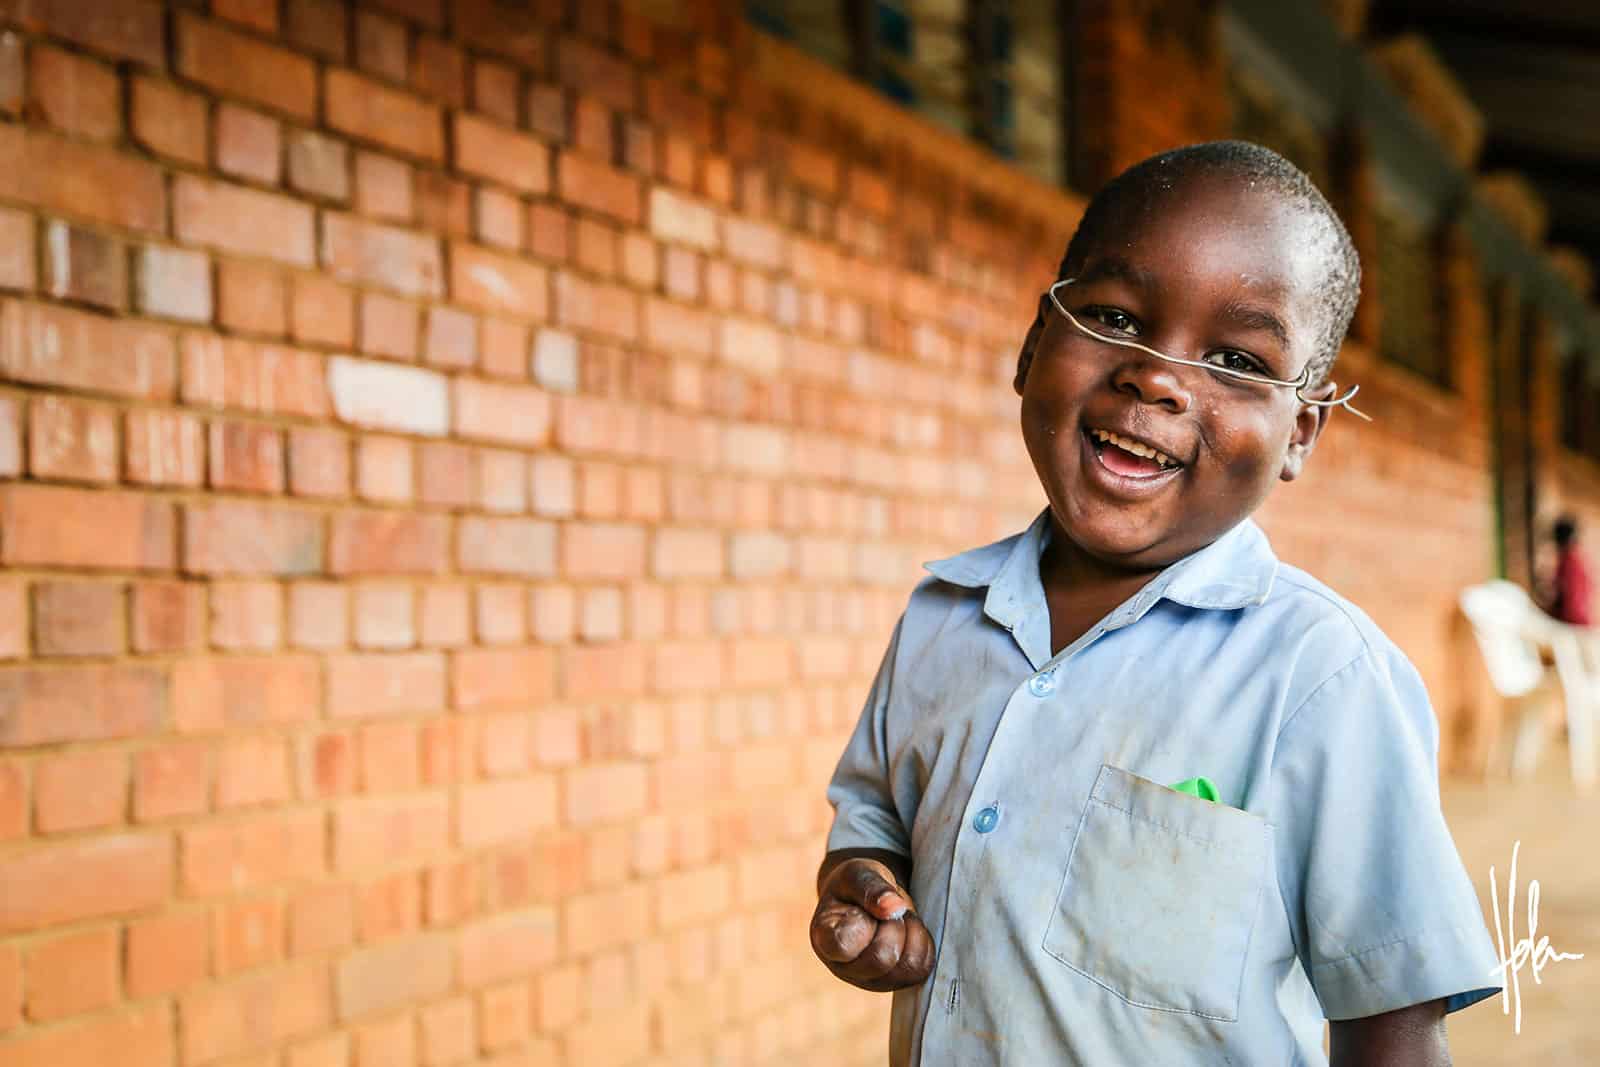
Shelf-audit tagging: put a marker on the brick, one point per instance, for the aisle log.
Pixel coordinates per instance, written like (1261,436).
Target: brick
(251,771)
(503,351)
(214,694)
(354,250)
(59,347)
(263,17)
(140,1035)
(227,537)
(71,974)
(609,310)
(244,221)
(72,441)
(549,231)
(502,480)
(677,219)
(493,282)
(513,414)
(384,616)
(249,144)
(84,878)
(447,1033)
(496,812)
(597,247)
(390,757)
(14,809)
(381,46)
(383,542)
(319,165)
(318,615)
(451,338)
(50,526)
(389,327)
(494,90)
(640,260)
(509,677)
(80,791)
(383,187)
(499,154)
(249,933)
(444,204)
(557,998)
(75,94)
(253,853)
(245,458)
(387,683)
(165,616)
(14,623)
(321,918)
(239,66)
(18,265)
(172,779)
(605,919)
(524,547)
(10,437)
(552,486)
(588,183)
(384,469)
(369,834)
(602,551)
(685,553)
(386,397)
(252,298)
(90,181)
(169,121)
(601,793)
(369,111)
(501,615)
(751,346)
(499,218)
(392,975)
(124,29)
(438,69)
(317,26)
(265,379)
(173,283)
(77,618)
(445,616)
(13,81)
(555,361)
(321,312)
(167,953)
(253,1014)
(246,615)
(164,448)
(330,1051)
(444,472)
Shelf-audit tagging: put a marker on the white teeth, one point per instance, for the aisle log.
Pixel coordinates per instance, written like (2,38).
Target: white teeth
(1128,445)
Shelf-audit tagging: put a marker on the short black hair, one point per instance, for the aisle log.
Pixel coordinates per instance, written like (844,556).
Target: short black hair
(1259,167)
(1565,529)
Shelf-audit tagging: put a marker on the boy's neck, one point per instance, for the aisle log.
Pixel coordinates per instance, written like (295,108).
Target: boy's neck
(1081,590)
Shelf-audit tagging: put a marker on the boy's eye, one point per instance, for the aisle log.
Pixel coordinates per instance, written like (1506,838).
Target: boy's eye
(1114,320)
(1234,360)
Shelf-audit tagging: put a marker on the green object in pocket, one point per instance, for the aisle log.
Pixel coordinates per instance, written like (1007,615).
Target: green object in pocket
(1197,787)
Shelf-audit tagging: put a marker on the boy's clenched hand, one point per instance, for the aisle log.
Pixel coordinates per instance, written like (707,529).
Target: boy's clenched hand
(865,931)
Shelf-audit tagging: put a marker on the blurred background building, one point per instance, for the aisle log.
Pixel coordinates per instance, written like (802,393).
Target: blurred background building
(461,460)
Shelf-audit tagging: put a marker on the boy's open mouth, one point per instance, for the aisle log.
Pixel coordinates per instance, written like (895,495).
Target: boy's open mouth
(1129,458)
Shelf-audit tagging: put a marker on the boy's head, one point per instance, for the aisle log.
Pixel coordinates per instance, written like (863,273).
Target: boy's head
(1220,253)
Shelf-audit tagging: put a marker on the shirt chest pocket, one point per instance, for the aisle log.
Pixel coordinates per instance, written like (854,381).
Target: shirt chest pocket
(1160,895)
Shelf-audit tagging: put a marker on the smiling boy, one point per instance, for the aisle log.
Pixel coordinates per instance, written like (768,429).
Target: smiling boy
(1007,853)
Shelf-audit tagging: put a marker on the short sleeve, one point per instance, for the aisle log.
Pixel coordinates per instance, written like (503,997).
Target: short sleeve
(861,792)
(1383,912)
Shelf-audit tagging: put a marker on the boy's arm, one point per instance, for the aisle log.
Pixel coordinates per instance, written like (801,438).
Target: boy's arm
(1411,1036)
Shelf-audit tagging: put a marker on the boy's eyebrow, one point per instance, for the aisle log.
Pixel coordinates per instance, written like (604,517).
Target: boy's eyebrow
(1255,317)
(1114,267)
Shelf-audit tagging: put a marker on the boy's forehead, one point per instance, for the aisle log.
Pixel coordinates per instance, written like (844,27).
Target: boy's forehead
(1248,240)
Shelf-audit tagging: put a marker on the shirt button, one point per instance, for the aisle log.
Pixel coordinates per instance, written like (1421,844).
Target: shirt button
(1042,684)
(986,819)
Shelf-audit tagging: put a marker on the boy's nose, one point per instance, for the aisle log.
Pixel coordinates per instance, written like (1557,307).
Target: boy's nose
(1152,381)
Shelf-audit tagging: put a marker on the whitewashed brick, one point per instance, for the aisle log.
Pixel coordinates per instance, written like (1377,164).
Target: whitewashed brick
(387,397)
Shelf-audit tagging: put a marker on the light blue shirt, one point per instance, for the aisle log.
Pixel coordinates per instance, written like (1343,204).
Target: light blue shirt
(1083,912)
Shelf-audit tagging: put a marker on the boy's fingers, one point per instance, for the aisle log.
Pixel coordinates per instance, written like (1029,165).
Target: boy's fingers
(864,884)
(916,958)
(879,958)
(839,932)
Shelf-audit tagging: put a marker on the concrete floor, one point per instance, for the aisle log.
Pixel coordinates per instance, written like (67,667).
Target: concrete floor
(1560,835)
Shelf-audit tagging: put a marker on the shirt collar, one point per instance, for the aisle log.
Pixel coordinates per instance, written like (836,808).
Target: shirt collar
(1234,571)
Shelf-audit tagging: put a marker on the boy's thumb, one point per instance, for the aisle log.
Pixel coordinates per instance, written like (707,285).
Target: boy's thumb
(877,894)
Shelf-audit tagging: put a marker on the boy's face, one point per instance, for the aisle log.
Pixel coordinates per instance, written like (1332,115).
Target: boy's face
(1211,272)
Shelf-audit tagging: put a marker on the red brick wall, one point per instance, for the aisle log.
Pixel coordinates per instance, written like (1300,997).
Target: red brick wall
(458,470)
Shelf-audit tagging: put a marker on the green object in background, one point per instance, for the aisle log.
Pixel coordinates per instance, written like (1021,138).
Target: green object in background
(1197,787)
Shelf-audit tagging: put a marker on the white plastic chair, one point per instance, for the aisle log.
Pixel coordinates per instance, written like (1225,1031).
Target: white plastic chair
(1510,631)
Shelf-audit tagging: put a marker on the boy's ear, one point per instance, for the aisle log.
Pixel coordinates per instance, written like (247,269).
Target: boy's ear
(1029,343)
(1309,419)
